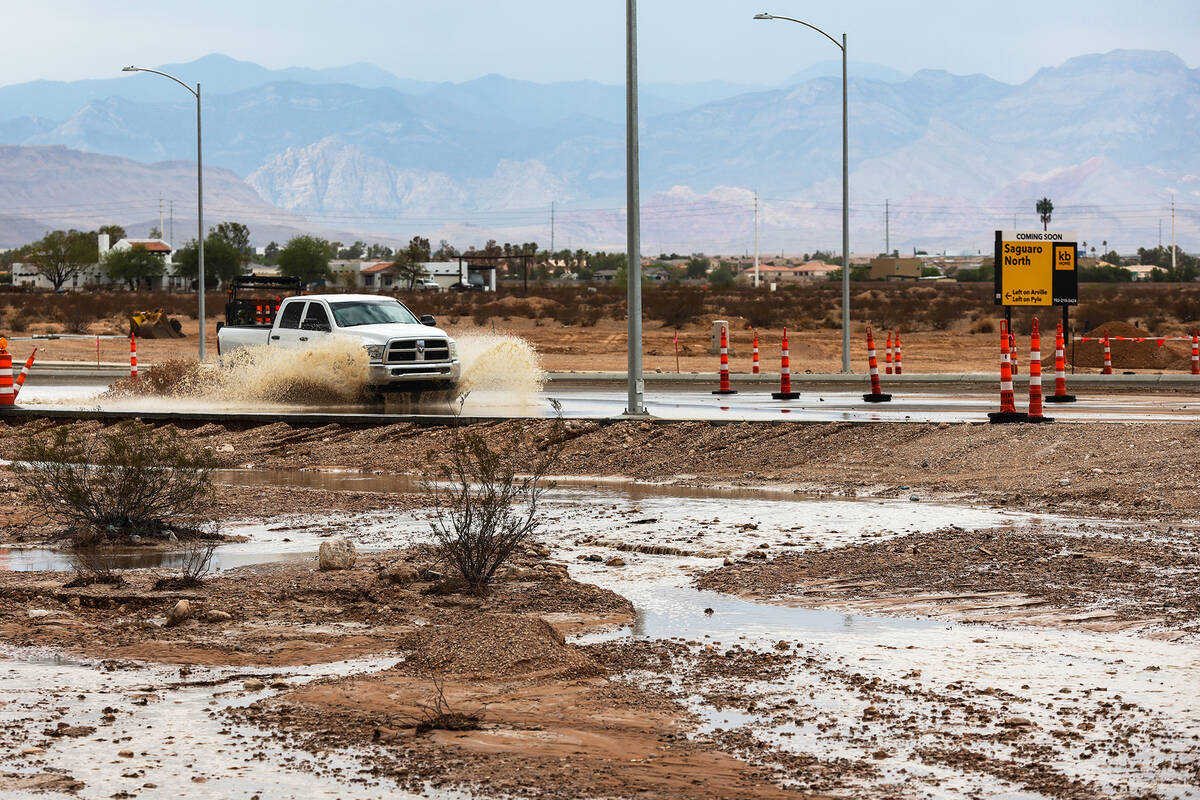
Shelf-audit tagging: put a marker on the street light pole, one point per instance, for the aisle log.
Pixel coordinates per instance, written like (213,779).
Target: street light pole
(845,184)
(633,245)
(199,195)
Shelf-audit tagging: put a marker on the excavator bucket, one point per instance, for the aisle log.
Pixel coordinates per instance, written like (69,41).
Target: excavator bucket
(154,325)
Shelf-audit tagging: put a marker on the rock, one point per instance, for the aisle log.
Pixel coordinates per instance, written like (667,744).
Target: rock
(280,685)
(217,616)
(75,731)
(708,612)
(870,712)
(125,754)
(253,685)
(338,554)
(553,571)
(593,557)
(728,562)
(401,573)
(73,603)
(1017,722)
(615,561)
(32,751)
(1064,481)
(180,612)
(518,573)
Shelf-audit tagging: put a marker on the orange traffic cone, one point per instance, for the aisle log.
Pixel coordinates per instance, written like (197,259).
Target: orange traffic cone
(1035,375)
(24,374)
(1107,357)
(876,395)
(1012,352)
(755,353)
(724,366)
(899,356)
(1196,352)
(785,375)
(887,356)
(7,396)
(132,358)
(1008,407)
(1060,371)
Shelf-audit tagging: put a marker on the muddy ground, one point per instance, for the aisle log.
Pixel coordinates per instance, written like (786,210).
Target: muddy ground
(1143,470)
(562,708)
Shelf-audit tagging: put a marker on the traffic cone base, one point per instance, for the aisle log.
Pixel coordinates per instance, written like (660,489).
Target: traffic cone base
(877,398)
(1007,416)
(1037,419)
(724,391)
(784,395)
(1059,398)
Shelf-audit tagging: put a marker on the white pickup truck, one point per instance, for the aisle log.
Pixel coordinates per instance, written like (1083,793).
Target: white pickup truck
(406,354)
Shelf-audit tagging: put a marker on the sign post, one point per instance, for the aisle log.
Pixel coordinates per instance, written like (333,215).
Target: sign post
(1036,268)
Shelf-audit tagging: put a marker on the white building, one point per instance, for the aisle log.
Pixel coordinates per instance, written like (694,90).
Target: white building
(93,275)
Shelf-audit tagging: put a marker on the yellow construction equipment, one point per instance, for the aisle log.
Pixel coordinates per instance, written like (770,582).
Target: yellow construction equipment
(154,325)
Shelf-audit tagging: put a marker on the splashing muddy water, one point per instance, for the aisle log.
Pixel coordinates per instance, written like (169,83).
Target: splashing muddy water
(333,373)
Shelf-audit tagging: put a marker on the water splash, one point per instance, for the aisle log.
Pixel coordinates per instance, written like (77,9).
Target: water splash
(501,363)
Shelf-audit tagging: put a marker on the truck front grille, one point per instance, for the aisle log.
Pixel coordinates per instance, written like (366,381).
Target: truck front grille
(402,351)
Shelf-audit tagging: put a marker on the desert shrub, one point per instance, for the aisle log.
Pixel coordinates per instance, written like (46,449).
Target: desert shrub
(117,482)
(195,564)
(589,316)
(93,565)
(17,322)
(480,316)
(983,325)
(77,312)
(486,498)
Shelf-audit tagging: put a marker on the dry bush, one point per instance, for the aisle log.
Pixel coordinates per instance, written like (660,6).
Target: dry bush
(196,563)
(437,715)
(116,483)
(93,565)
(486,500)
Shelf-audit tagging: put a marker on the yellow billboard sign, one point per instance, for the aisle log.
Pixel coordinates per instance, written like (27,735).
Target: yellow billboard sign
(1035,268)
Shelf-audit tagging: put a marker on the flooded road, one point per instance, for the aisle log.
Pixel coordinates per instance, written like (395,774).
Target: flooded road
(907,695)
(675,402)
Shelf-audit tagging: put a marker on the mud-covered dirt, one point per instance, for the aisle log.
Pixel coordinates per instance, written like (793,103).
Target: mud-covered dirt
(1098,469)
(1104,581)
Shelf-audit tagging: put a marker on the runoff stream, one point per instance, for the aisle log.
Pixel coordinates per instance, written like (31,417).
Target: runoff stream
(936,673)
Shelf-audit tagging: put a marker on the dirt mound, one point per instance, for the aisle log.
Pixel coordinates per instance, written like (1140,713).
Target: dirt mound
(496,645)
(1144,354)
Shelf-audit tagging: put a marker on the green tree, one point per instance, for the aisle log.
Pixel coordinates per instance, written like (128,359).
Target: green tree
(115,233)
(379,252)
(306,258)
(409,261)
(62,255)
(697,266)
(221,261)
(236,235)
(271,252)
(721,277)
(1044,209)
(445,252)
(133,265)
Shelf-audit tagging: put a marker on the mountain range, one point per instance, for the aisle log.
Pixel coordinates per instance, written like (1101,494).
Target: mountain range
(364,153)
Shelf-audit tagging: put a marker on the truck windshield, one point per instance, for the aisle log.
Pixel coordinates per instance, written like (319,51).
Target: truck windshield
(364,312)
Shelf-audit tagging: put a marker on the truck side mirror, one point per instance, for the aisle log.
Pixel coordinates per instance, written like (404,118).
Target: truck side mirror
(427,319)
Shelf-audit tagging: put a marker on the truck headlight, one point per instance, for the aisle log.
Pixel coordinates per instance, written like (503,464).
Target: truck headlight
(374,351)
(453,349)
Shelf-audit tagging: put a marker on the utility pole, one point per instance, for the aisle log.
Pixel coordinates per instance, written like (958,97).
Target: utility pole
(756,240)
(172,207)
(160,216)
(1172,235)
(551,229)
(633,219)
(887,230)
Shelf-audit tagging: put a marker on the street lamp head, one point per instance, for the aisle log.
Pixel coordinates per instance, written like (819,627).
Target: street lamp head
(763,15)
(129,69)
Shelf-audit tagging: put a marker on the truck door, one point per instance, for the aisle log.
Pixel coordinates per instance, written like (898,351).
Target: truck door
(287,332)
(316,325)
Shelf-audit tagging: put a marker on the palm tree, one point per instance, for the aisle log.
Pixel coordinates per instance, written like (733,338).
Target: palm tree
(1044,209)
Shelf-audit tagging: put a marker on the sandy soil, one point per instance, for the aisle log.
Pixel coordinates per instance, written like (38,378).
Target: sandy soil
(602,348)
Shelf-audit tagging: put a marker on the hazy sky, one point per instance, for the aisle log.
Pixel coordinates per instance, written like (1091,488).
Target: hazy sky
(544,40)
